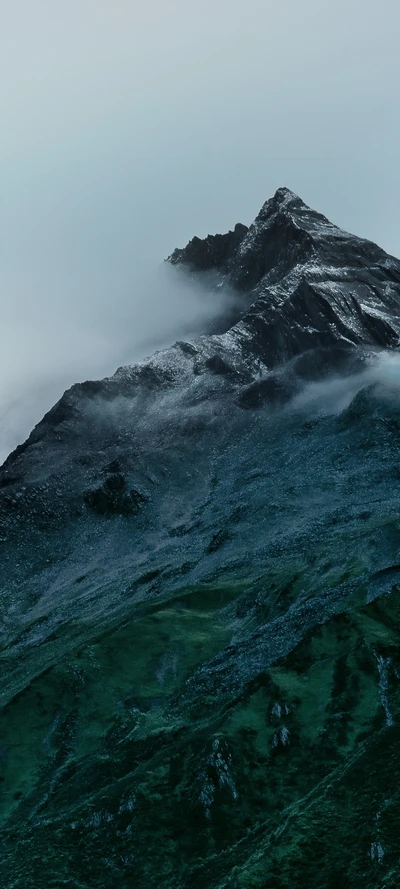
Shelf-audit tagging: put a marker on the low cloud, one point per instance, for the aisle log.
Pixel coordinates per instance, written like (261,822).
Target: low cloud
(334,394)
(88,334)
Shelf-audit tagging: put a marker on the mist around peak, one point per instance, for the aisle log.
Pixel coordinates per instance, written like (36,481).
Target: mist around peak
(335,393)
(57,332)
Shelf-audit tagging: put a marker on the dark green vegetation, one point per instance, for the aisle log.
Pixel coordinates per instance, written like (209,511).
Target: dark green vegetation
(242,730)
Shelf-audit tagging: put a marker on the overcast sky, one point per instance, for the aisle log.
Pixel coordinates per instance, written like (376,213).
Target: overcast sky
(127,127)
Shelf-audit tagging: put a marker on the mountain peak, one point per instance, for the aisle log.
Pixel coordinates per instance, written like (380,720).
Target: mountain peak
(280,219)
(285,203)
(284,198)
(307,283)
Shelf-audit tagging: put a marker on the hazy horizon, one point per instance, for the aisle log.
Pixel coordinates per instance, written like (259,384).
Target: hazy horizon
(128,129)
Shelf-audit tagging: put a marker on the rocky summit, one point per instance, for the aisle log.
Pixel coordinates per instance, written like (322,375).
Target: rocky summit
(200,590)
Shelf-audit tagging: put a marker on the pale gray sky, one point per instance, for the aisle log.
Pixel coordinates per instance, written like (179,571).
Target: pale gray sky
(127,127)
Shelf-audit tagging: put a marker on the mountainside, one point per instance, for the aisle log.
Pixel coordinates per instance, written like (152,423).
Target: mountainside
(200,590)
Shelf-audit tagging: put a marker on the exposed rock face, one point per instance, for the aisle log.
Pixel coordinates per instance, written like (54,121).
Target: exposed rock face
(311,285)
(211,253)
(199,581)
(112,496)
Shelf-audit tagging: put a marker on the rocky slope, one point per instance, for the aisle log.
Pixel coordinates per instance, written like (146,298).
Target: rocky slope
(200,576)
